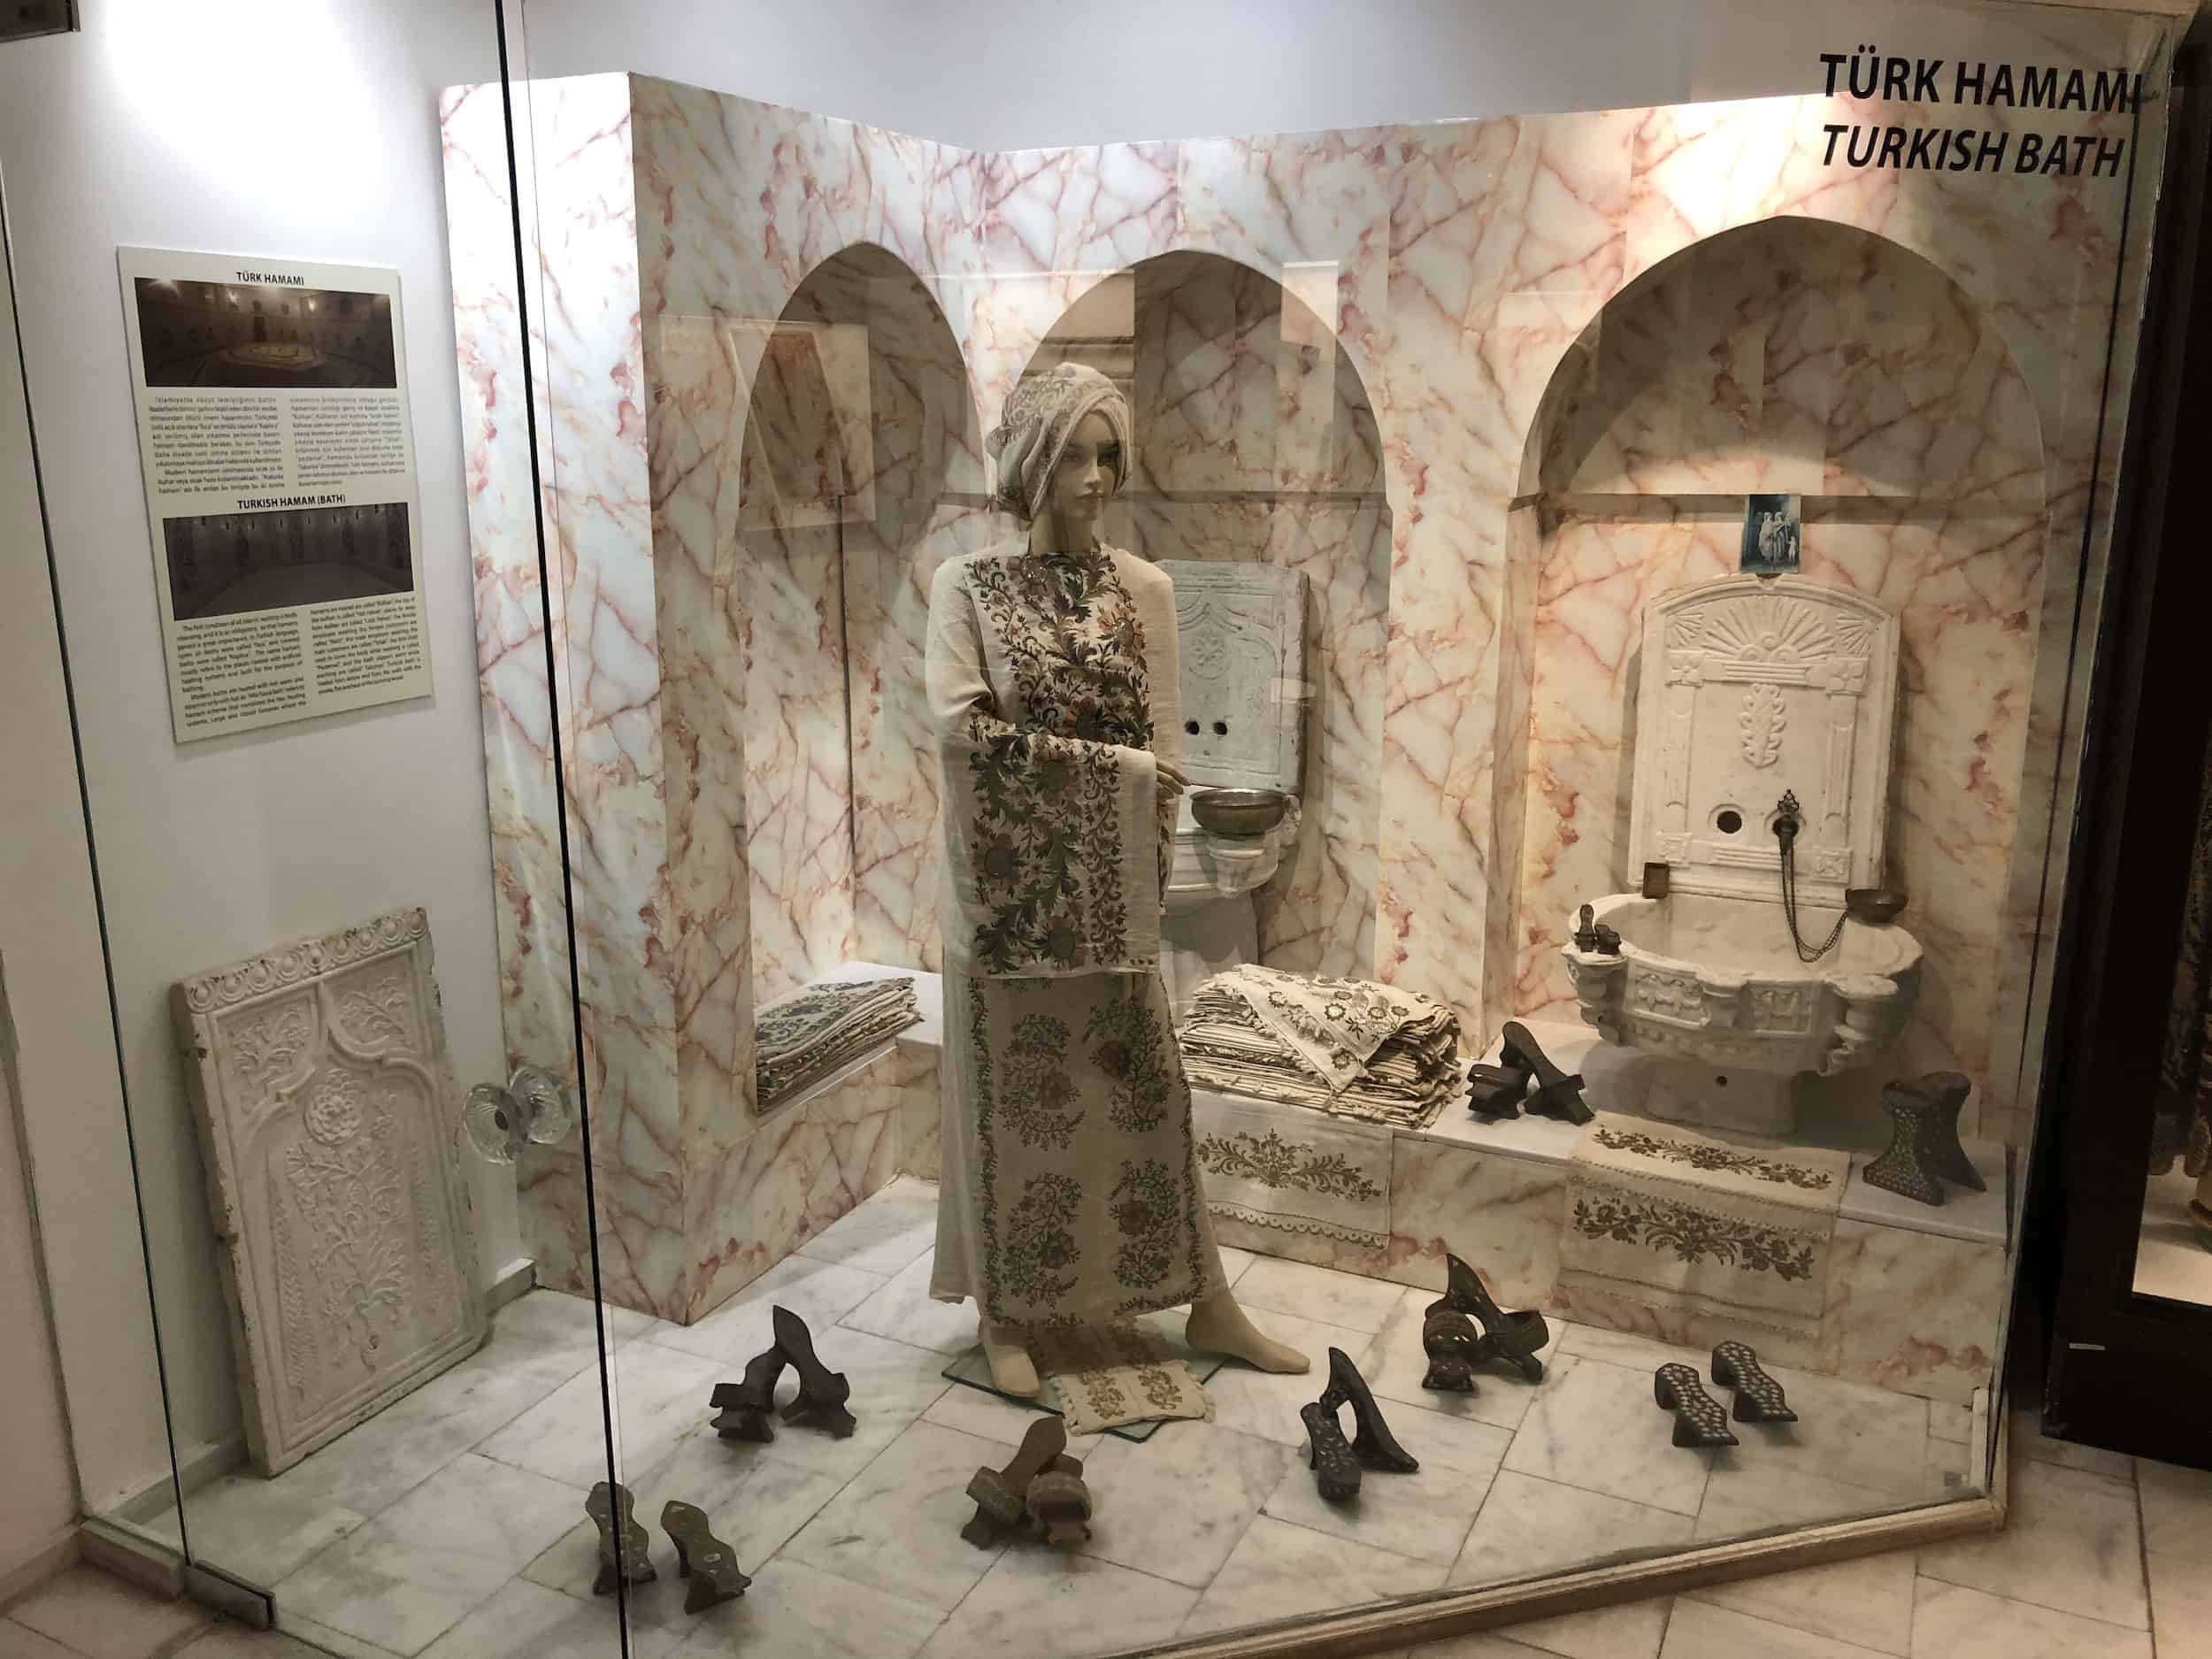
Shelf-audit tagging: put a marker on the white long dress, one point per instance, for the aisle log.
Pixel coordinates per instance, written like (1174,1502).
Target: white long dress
(1071,1186)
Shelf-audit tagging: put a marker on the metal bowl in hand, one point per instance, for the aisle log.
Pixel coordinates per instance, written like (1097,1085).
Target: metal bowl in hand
(1239,812)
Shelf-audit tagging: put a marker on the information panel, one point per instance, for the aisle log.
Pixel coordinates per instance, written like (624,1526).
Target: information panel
(280,468)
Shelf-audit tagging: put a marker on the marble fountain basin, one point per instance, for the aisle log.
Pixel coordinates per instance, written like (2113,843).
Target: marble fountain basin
(1204,866)
(1714,983)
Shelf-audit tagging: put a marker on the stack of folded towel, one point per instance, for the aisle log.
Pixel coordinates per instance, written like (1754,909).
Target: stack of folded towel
(1350,1047)
(815,1033)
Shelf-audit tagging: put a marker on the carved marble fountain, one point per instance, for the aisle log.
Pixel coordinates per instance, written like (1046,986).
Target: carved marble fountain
(1754,688)
(1241,633)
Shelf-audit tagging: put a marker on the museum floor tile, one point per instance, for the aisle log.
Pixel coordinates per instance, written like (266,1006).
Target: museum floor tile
(452,1525)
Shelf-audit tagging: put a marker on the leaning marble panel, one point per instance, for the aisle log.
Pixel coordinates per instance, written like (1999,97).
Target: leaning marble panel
(329,1122)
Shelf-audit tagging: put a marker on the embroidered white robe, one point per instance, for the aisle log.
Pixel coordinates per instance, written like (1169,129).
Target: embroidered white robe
(1070,1185)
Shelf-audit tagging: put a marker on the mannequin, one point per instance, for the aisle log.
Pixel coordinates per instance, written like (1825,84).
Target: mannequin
(1070,1189)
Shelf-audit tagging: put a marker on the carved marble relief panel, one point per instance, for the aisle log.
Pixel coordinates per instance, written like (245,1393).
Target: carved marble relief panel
(1242,629)
(328,1119)
(1767,686)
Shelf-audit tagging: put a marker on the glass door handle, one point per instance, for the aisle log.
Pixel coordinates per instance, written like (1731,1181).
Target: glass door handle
(530,1108)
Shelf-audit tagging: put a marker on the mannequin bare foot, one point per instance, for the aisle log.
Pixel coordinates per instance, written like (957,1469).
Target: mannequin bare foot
(1217,1325)
(1012,1371)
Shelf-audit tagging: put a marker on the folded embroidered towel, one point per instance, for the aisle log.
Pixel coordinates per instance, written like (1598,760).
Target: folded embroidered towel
(1333,1024)
(1103,1377)
(1350,1047)
(820,1030)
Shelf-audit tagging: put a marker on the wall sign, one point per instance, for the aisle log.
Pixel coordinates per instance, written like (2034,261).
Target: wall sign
(24,19)
(279,470)
(1970,145)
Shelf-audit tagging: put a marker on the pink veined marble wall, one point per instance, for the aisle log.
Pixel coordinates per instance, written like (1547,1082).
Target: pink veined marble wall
(669,230)
(1256,440)
(1454,265)
(924,445)
(586,368)
(1791,356)
(1465,262)
(804,473)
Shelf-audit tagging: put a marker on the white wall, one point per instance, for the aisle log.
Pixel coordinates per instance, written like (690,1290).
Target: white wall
(999,76)
(70,1108)
(306,128)
(40,1501)
(1002,76)
(38,1495)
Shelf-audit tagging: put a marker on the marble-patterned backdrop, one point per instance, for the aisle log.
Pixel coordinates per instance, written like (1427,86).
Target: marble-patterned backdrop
(806,486)
(1816,359)
(1256,440)
(927,456)
(586,360)
(1454,267)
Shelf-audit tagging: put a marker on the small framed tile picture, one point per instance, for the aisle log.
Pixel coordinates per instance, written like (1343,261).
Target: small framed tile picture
(1770,531)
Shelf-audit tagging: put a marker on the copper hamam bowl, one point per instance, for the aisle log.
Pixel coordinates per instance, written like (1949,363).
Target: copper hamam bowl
(1239,812)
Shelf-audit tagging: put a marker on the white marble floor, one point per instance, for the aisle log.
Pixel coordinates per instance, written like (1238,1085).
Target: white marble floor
(2107,1559)
(452,1525)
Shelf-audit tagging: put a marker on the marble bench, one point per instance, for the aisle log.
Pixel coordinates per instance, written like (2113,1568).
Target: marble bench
(1915,1295)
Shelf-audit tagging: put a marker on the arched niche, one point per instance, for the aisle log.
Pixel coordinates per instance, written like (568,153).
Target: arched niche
(1802,356)
(1257,438)
(859,418)
(1790,354)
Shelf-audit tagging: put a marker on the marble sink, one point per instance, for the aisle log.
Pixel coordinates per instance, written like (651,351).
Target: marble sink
(1716,981)
(1765,718)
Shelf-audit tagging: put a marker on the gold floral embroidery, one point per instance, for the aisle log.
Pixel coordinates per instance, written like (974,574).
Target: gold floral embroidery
(1040,1096)
(1114,1373)
(1144,1207)
(1273,1162)
(1711,1157)
(1356,1018)
(1129,1047)
(1163,1389)
(803,1038)
(1041,1247)
(1694,1236)
(1048,785)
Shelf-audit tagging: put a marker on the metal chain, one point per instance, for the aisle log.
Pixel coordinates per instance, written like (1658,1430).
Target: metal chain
(1805,953)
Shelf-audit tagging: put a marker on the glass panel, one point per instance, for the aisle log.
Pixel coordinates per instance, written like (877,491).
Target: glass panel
(73,1294)
(1482,710)
(2173,1257)
(384,1400)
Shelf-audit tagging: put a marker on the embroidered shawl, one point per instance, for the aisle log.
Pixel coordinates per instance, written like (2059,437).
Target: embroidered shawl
(1041,686)
(1070,1187)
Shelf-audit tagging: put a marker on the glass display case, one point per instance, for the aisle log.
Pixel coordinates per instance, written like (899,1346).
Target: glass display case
(1274,868)
(252,992)
(2120,1281)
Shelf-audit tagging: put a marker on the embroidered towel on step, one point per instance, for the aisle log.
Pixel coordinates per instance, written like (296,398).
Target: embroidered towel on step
(1678,1220)
(1294,1171)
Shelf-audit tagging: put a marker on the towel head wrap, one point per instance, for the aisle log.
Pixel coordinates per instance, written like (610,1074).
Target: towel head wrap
(1034,430)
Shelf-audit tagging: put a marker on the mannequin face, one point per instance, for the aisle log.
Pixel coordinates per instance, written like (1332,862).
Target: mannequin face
(1089,468)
